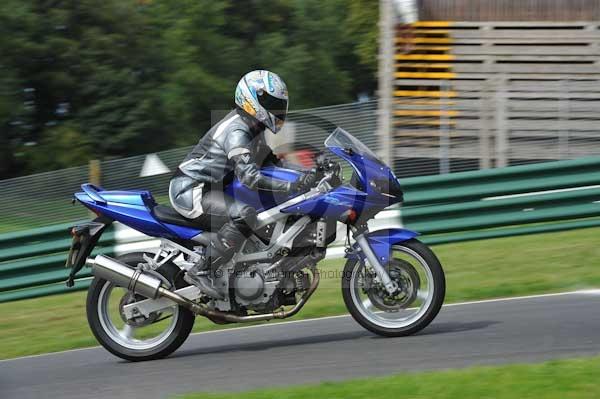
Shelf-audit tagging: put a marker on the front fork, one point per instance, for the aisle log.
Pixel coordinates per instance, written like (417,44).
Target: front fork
(361,239)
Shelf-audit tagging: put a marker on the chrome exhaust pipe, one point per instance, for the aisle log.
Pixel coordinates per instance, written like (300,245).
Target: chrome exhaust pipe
(137,281)
(124,276)
(151,287)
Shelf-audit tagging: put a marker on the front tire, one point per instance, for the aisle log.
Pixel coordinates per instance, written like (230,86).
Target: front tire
(119,340)
(416,269)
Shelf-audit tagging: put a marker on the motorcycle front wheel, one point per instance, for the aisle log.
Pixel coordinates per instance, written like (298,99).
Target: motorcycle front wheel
(421,291)
(142,338)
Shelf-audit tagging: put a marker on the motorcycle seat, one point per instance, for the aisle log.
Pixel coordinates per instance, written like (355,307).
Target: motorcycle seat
(169,215)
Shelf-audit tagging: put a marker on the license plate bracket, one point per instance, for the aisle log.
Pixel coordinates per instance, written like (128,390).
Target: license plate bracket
(85,238)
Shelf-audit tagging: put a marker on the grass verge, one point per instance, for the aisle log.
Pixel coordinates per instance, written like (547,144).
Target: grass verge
(573,379)
(474,270)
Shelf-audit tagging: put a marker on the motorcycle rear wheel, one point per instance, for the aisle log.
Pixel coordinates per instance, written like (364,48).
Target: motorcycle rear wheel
(127,340)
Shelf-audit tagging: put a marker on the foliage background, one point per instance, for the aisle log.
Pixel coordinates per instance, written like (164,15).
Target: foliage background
(85,79)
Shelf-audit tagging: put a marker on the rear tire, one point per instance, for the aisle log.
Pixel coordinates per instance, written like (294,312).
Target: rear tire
(421,321)
(176,337)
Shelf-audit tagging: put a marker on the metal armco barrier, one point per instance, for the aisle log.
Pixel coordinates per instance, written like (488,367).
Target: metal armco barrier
(492,203)
(538,198)
(32,262)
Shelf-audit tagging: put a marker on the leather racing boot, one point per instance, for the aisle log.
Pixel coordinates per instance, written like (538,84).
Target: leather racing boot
(219,252)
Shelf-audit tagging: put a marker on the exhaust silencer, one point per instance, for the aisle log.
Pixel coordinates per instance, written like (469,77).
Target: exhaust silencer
(124,276)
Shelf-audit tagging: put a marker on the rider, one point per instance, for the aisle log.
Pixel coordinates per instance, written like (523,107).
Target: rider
(235,146)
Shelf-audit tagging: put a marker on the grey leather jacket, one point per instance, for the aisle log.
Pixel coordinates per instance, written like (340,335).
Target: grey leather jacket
(234,146)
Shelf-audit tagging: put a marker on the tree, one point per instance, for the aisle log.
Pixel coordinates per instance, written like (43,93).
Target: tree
(83,79)
(10,108)
(62,145)
(309,53)
(362,31)
(202,67)
(79,62)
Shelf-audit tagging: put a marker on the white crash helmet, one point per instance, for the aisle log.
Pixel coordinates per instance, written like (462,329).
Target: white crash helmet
(264,96)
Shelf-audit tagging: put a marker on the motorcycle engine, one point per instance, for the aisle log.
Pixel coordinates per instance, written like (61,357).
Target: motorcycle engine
(252,286)
(258,290)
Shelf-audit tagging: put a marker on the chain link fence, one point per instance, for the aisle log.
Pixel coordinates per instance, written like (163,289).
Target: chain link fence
(44,199)
(470,134)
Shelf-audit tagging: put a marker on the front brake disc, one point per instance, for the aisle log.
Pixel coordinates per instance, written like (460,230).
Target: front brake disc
(405,276)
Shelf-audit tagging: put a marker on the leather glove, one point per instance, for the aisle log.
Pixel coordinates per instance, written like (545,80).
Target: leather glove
(304,182)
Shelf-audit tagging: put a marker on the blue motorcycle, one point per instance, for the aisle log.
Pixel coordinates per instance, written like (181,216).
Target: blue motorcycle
(140,306)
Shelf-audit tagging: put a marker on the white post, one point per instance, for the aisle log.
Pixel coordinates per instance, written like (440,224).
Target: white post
(385,91)
(389,10)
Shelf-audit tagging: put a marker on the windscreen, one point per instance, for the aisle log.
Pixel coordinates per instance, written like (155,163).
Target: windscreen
(343,139)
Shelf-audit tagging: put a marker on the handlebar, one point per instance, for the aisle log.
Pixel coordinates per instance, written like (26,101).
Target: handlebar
(328,171)
(324,163)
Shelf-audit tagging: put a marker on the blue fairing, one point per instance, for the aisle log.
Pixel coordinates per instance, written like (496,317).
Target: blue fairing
(337,201)
(262,200)
(381,242)
(368,170)
(134,209)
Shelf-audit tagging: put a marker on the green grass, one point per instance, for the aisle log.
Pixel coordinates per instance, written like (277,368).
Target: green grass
(565,379)
(474,270)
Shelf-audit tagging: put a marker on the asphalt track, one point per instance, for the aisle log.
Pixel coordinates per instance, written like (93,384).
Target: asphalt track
(527,329)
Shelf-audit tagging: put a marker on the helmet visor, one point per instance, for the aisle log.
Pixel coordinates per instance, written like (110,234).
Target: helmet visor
(274,105)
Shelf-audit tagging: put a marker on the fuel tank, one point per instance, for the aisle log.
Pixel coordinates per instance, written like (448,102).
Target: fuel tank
(262,200)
